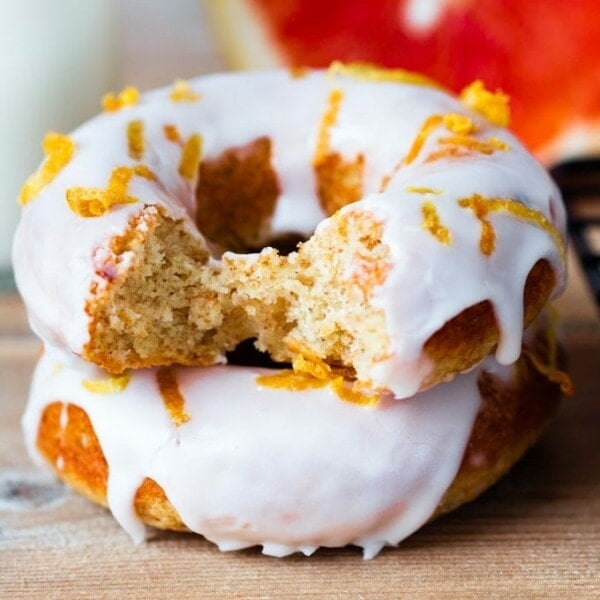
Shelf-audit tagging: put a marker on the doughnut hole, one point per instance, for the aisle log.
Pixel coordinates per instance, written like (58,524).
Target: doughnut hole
(238,190)
(245,354)
(237,195)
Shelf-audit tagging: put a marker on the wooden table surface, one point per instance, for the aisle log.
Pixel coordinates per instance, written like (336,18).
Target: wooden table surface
(534,535)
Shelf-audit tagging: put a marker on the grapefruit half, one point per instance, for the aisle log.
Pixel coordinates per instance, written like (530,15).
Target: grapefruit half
(544,53)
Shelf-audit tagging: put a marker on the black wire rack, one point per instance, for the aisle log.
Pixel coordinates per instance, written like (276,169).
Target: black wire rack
(579,181)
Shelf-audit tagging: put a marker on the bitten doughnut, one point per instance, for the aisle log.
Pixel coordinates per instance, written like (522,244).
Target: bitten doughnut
(213,451)
(160,231)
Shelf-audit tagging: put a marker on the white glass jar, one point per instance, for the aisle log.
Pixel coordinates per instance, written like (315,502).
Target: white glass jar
(57,58)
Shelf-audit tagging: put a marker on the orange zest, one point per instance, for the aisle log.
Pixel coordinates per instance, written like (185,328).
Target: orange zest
(287,379)
(181,92)
(431,123)
(497,143)
(111,385)
(172,397)
(129,96)
(298,72)
(485,147)
(310,372)
(190,157)
(353,393)
(461,125)
(94,202)
(314,366)
(448,152)
(328,120)
(457,123)
(172,134)
(494,106)
(482,207)
(370,72)
(433,224)
(59,150)
(135,139)
(548,367)
(415,189)
(551,373)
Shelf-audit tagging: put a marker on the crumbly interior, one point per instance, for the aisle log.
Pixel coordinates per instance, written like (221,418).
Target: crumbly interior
(164,296)
(175,303)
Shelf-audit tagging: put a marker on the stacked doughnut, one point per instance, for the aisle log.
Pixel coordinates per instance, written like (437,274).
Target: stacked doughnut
(380,247)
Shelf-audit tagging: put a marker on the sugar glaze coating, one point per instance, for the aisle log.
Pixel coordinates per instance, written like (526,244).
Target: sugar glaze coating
(287,470)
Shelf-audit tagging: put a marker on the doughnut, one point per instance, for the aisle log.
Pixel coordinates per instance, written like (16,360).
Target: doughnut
(207,449)
(357,218)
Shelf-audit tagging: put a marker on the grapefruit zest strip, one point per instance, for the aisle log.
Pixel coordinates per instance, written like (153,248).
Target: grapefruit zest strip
(433,224)
(59,150)
(328,120)
(173,399)
(94,202)
(310,372)
(551,373)
(111,385)
(370,72)
(129,96)
(415,189)
(460,124)
(485,147)
(135,139)
(482,207)
(191,156)
(181,92)
(494,106)
(172,134)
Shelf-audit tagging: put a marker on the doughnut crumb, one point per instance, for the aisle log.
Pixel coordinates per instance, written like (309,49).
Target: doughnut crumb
(159,298)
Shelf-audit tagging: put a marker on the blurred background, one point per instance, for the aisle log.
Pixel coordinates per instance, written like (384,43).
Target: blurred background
(60,56)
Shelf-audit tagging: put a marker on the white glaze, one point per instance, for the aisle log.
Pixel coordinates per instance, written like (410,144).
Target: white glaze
(54,264)
(290,471)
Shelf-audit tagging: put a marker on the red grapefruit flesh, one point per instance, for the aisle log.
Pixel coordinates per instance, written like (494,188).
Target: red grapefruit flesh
(544,53)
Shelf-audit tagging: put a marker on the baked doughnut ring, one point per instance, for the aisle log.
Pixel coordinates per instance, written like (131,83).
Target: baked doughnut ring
(213,451)
(427,227)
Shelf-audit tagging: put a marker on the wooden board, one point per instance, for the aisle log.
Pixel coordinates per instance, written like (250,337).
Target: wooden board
(534,535)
